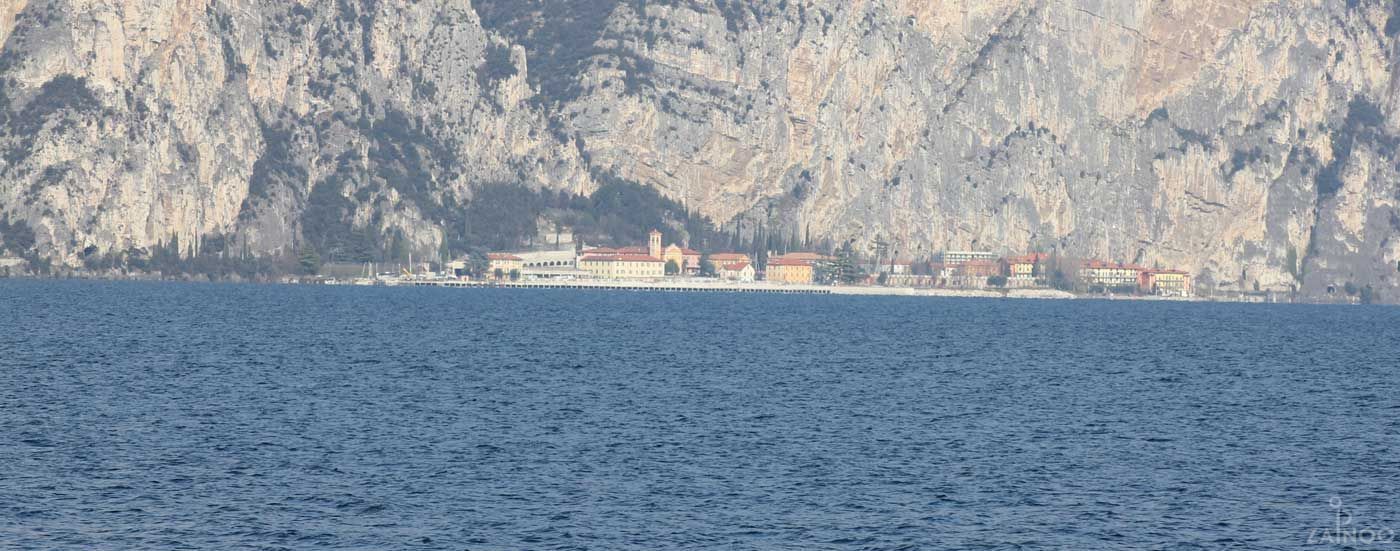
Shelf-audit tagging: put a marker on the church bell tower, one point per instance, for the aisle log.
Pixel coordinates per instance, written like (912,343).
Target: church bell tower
(654,244)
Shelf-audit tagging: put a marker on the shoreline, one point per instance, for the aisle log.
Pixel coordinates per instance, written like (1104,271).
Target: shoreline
(769,288)
(683,286)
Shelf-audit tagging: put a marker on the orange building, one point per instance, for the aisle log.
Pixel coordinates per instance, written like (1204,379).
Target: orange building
(783,270)
(974,273)
(810,258)
(1170,283)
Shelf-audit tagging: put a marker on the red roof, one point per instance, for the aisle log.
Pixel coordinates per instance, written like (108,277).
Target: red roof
(1099,264)
(802,256)
(502,256)
(736,267)
(721,257)
(788,262)
(619,250)
(621,258)
(1032,258)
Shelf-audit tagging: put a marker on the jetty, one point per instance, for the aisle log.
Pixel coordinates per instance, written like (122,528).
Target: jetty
(653,286)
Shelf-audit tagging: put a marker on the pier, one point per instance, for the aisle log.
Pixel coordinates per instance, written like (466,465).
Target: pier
(624,286)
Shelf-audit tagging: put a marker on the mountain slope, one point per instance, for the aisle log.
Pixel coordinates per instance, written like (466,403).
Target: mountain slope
(1250,142)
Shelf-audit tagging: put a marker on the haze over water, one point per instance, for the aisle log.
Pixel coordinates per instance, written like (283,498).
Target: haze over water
(241,416)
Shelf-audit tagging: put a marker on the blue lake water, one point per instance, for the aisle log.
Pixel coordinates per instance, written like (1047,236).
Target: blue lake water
(139,415)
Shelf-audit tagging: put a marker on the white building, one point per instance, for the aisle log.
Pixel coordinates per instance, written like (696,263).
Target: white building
(738,271)
(953,258)
(565,259)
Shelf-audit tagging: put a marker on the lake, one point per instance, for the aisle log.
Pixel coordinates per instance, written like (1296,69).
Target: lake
(167,415)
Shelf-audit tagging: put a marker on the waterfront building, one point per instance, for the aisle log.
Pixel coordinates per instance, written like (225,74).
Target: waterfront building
(720,259)
(591,251)
(909,280)
(1025,270)
(549,264)
(940,274)
(688,260)
(810,258)
(1108,275)
(505,263)
(973,274)
(547,259)
(892,267)
(786,270)
(953,258)
(623,266)
(458,268)
(1170,283)
(739,271)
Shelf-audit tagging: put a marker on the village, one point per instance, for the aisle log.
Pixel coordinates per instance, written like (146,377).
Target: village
(657,262)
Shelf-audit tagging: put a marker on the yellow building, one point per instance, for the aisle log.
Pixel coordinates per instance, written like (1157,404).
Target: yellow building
(1171,283)
(1109,276)
(623,266)
(810,258)
(504,263)
(686,259)
(781,270)
(1025,271)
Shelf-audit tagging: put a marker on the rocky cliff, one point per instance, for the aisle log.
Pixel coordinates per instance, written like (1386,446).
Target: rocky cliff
(1252,142)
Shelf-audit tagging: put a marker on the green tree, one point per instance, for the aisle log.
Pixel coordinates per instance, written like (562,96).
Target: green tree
(18,238)
(499,273)
(515,275)
(310,261)
(824,273)
(845,267)
(997,281)
(707,268)
(672,268)
(477,263)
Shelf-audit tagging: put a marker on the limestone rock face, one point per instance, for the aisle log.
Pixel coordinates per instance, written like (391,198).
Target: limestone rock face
(1252,142)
